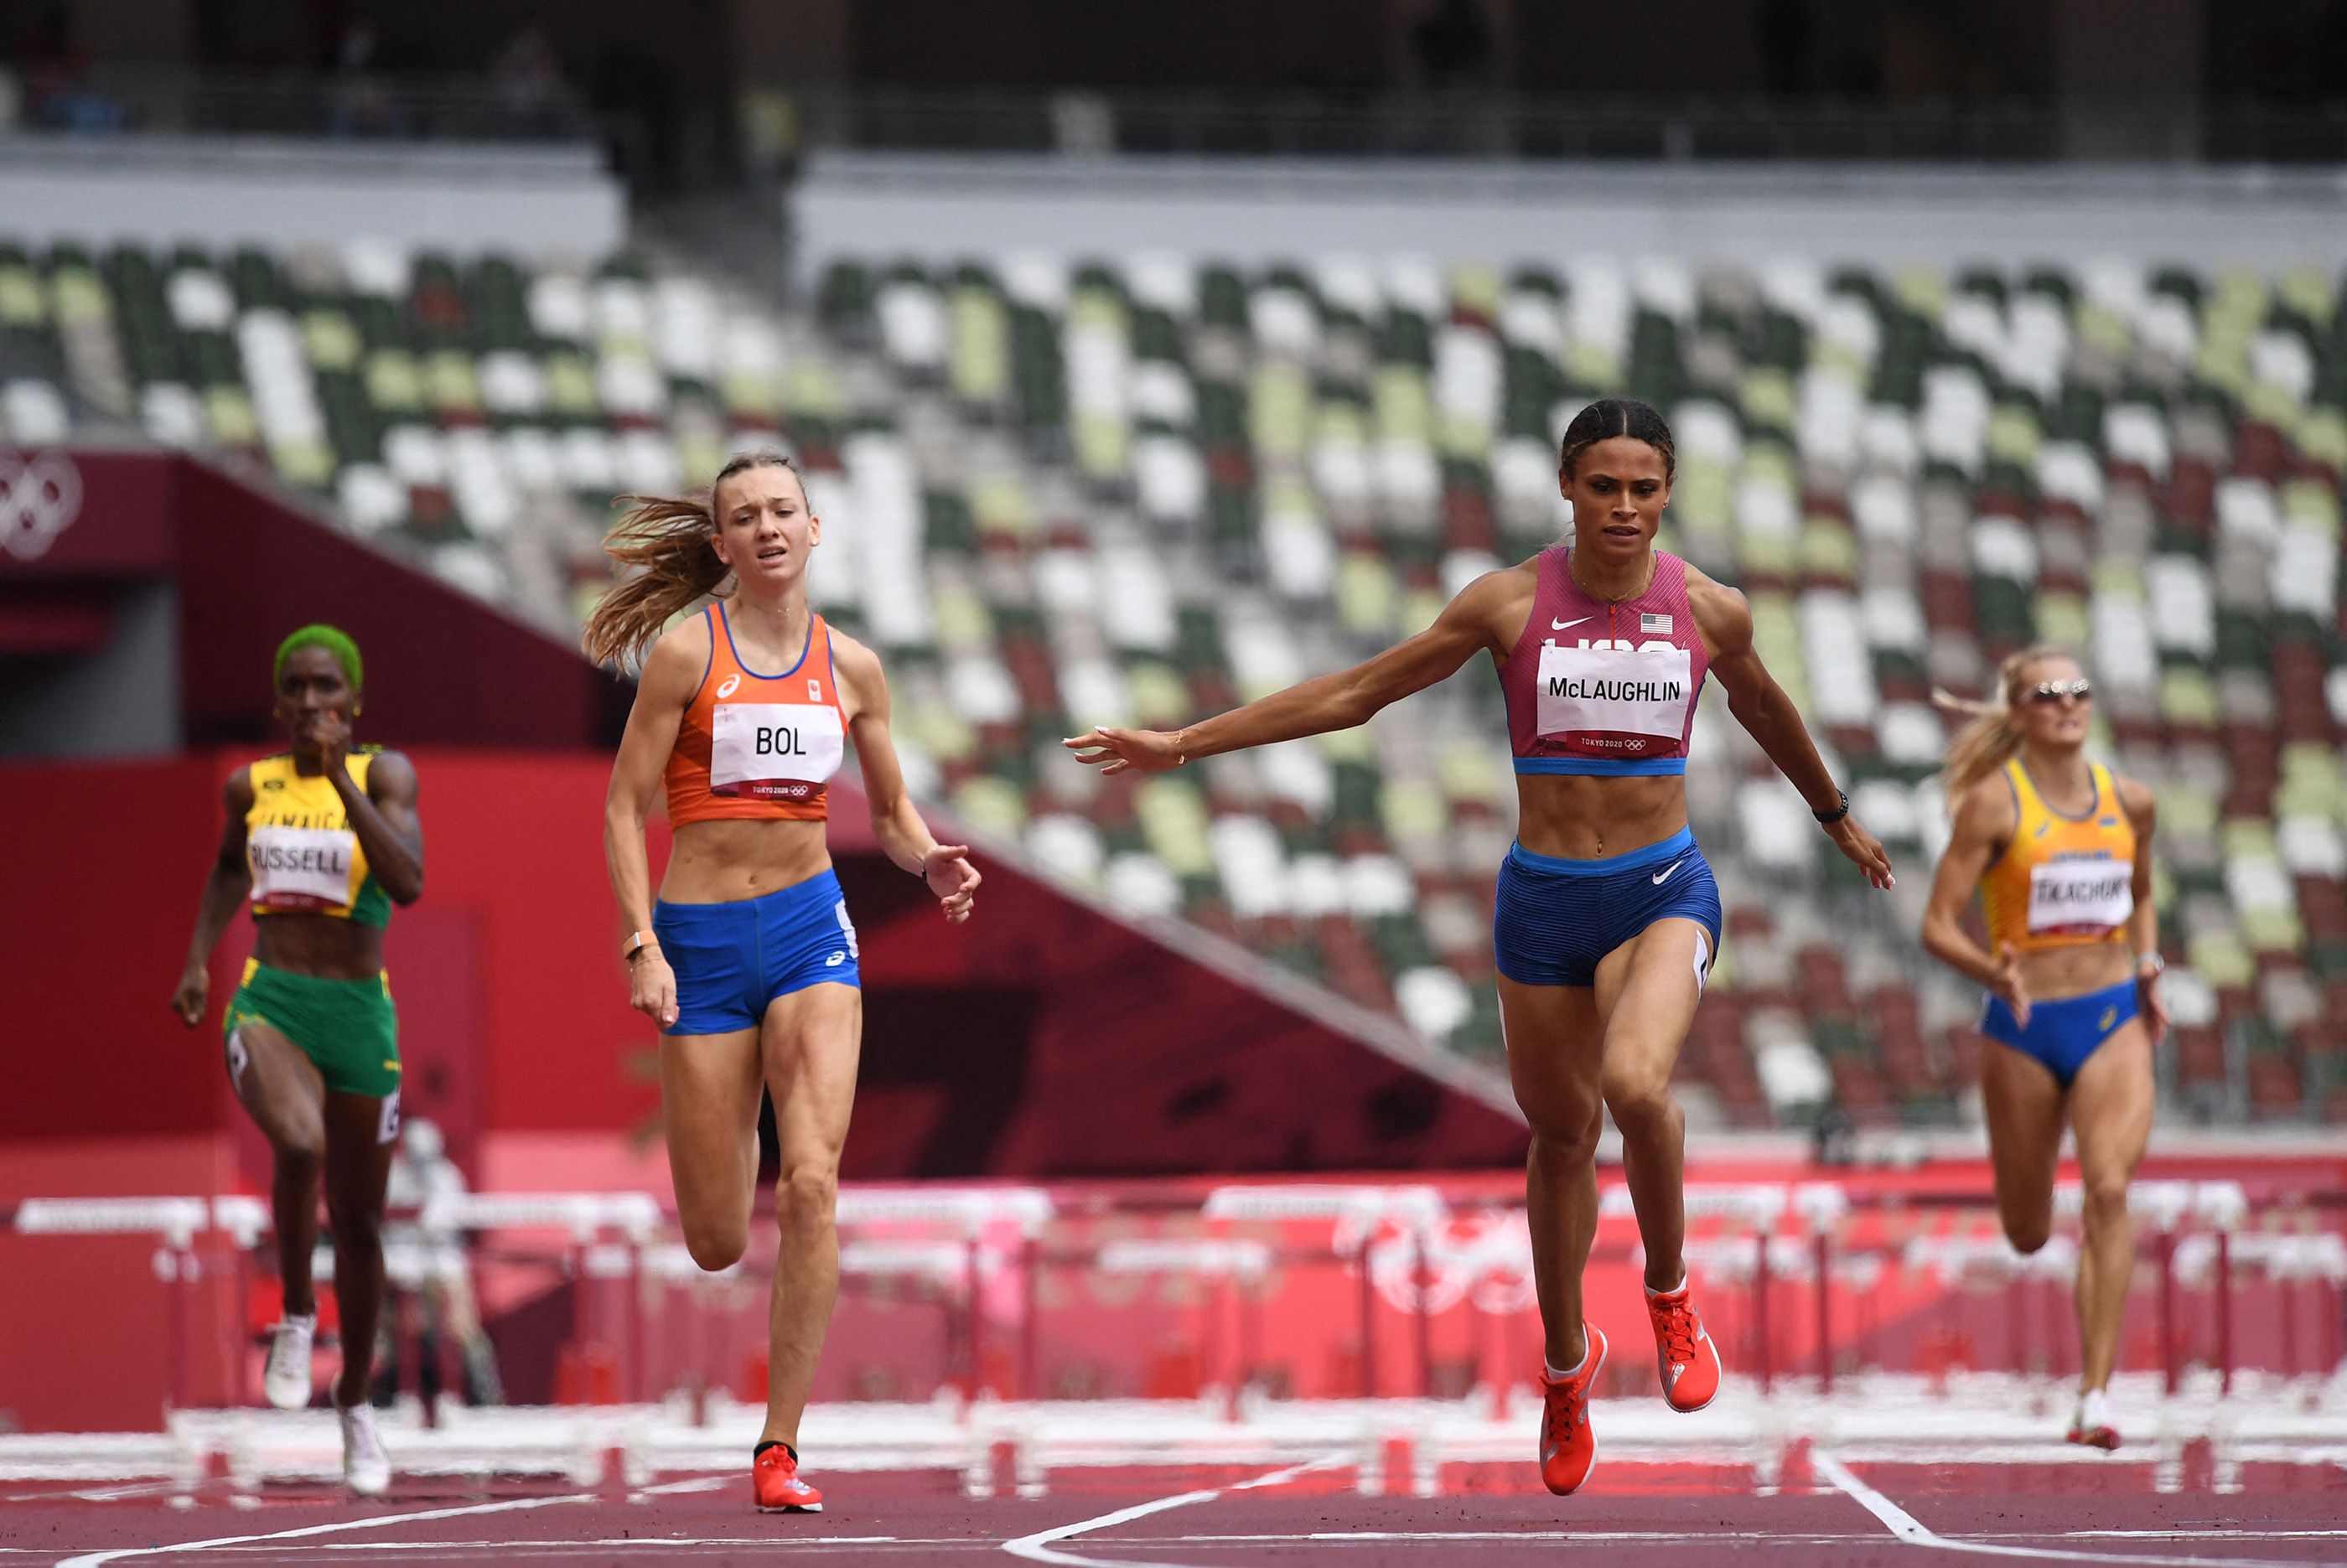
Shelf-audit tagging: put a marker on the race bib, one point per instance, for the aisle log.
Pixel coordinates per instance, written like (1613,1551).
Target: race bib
(2069,897)
(300,867)
(773,751)
(1603,698)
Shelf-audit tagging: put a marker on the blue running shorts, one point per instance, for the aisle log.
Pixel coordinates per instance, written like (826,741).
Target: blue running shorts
(732,960)
(1554,919)
(2063,1034)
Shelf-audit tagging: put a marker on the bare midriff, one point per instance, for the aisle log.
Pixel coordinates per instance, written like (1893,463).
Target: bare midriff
(1589,816)
(323,945)
(2053,973)
(724,861)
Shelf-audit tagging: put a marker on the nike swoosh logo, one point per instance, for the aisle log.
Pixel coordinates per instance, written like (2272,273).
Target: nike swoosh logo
(1665,874)
(1564,625)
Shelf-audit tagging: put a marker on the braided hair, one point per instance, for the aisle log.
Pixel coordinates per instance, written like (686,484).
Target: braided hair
(1609,417)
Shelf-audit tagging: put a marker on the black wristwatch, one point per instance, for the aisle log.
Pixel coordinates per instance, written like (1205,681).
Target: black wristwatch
(1828,818)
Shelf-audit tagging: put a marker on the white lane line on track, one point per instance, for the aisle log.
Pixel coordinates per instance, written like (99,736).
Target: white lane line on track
(1038,1547)
(373,1522)
(1915,1533)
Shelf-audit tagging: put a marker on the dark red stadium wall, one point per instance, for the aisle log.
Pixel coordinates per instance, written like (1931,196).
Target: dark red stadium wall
(1040,1039)
(446,669)
(449,670)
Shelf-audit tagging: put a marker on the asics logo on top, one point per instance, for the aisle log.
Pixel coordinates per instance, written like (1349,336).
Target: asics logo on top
(1665,874)
(1555,625)
(727,687)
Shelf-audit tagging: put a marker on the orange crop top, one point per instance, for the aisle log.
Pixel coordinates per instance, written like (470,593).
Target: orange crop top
(758,747)
(2063,881)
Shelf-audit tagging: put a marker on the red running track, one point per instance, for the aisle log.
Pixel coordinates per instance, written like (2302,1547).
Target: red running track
(1828,1515)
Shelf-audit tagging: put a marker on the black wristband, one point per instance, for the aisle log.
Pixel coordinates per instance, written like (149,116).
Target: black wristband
(1828,818)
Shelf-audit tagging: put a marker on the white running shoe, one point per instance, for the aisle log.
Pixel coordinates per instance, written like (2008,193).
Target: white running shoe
(285,1378)
(365,1466)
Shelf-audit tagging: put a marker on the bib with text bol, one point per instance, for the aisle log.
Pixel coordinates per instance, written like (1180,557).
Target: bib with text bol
(773,751)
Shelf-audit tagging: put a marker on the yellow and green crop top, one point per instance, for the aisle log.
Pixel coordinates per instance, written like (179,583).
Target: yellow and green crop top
(298,842)
(2063,881)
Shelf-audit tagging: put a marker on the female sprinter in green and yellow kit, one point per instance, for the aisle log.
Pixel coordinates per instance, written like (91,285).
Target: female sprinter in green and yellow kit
(323,839)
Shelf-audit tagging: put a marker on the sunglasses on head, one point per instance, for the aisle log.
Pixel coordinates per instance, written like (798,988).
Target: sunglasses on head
(2079,690)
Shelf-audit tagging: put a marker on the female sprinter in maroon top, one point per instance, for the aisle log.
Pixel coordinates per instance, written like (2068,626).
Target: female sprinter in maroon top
(1607,918)
(748,963)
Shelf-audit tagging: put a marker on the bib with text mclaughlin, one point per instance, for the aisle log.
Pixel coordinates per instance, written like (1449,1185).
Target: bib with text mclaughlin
(300,867)
(773,751)
(1607,697)
(2072,896)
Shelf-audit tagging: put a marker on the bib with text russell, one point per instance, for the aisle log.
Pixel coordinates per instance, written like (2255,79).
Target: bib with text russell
(773,751)
(1603,697)
(300,867)
(2074,896)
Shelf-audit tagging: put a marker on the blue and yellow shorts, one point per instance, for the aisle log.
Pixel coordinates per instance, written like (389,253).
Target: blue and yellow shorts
(2063,1034)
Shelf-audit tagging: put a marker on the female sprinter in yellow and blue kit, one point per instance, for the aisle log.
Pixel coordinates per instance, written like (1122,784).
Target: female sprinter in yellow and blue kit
(2060,849)
(748,962)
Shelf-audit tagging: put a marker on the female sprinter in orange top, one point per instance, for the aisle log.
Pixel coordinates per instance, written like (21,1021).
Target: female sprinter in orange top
(748,961)
(1607,918)
(2060,849)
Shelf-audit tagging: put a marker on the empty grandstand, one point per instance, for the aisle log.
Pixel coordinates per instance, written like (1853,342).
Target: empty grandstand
(1140,487)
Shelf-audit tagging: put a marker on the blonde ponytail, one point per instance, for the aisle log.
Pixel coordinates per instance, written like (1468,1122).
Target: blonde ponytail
(1992,739)
(671,543)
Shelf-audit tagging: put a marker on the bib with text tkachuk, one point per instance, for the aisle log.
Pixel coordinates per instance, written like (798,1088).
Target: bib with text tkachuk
(754,745)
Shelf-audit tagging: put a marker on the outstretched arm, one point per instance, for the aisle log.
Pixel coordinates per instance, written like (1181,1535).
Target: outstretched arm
(1768,715)
(1467,625)
(904,838)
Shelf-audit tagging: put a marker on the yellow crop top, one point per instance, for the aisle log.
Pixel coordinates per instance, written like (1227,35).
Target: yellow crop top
(2063,881)
(299,845)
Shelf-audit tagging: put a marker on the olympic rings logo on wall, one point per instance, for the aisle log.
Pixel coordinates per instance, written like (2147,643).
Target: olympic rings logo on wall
(40,497)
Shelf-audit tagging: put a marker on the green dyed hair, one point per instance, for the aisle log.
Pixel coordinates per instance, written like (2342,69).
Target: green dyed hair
(333,639)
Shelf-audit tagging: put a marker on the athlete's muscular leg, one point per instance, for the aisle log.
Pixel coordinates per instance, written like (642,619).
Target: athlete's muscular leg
(1647,992)
(709,1101)
(280,1089)
(1555,1045)
(360,1129)
(2023,1108)
(2110,1110)
(812,1041)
